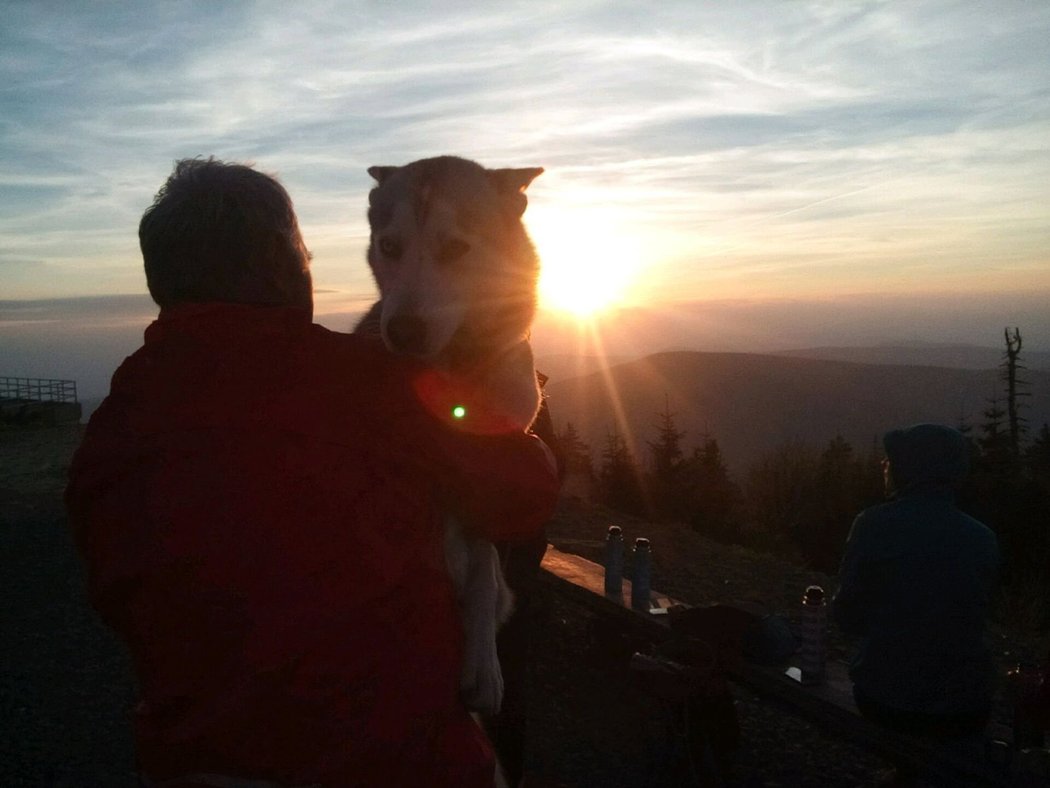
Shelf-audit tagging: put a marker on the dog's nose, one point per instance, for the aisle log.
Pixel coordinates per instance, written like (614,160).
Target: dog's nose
(407,334)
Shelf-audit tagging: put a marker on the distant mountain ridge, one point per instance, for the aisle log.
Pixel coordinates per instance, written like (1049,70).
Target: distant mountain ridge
(560,366)
(921,354)
(753,403)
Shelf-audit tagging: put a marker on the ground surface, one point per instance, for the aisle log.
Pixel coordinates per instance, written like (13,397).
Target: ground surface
(65,687)
(66,690)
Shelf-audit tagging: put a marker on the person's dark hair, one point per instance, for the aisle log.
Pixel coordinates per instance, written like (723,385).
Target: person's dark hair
(223,232)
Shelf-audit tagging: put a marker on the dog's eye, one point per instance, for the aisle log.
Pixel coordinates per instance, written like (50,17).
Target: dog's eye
(389,247)
(451,251)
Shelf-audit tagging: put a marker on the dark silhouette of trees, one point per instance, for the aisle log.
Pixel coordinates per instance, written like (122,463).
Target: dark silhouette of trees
(844,485)
(713,498)
(777,489)
(577,453)
(667,485)
(579,480)
(1038,459)
(802,502)
(666,450)
(619,478)
(1009,490)
(696,490)
(995,456)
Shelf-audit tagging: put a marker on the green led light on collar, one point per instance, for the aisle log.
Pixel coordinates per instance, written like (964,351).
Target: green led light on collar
(459,412)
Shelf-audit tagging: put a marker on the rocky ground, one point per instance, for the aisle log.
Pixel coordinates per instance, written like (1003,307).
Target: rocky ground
(65,686)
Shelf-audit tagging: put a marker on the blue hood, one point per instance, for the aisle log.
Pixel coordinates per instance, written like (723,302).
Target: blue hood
(926,454)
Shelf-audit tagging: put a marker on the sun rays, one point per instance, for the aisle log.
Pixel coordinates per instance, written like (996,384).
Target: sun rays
(592,345)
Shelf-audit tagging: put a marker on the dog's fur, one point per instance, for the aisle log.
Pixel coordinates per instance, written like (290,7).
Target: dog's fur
(457,283)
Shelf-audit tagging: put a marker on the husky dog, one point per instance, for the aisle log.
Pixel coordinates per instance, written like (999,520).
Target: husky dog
(457,276)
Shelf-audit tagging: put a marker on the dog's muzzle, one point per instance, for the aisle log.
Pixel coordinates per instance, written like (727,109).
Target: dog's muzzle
(407,334)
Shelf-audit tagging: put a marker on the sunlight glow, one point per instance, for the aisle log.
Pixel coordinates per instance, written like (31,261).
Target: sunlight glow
(591,335)
(588,263)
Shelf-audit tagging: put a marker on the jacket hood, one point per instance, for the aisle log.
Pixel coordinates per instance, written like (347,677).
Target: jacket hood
(927,454)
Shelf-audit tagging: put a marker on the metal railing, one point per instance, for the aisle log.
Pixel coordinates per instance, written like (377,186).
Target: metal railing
(37,390)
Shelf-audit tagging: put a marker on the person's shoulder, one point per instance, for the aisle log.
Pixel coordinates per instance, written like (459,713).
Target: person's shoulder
(877,513)
(978,532)
(345,350)
(342,341)
(879,524)
(357,362)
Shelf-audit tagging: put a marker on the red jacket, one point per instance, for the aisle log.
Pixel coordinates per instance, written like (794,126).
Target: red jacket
(259,502)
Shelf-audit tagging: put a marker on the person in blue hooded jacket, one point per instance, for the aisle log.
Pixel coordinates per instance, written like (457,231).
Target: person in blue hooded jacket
(915,585)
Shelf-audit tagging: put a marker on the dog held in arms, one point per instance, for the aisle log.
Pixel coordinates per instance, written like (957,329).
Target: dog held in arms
(457,277)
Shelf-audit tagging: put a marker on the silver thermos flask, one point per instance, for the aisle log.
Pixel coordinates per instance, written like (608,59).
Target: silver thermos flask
(814,635)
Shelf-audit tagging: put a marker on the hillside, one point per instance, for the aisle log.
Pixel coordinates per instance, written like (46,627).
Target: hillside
(753,403)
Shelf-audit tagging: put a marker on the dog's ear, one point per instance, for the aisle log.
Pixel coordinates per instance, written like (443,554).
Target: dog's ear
(514,181)
(511,185)
(381,173)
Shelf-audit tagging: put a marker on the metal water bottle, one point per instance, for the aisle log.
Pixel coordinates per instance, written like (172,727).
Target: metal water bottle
(614,562)
(814,635)
(1024,683)
(641,573)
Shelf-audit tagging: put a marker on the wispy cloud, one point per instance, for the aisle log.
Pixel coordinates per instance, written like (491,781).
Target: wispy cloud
(756,146)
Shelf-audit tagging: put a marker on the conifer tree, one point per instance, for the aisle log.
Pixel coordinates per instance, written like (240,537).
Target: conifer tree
(1038,457)
(1005,490)
(666,450)
(577,453)
(714,499)
(839,492)
(619,477)
(778,490)
(995,459)
(1039,450)
(669,495)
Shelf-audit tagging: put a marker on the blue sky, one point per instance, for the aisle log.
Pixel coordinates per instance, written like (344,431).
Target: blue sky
(695,152)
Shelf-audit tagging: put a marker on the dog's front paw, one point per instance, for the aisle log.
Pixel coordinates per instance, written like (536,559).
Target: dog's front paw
(512,385)
(481,684)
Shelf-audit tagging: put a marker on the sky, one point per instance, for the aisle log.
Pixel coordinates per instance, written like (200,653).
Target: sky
(871,168)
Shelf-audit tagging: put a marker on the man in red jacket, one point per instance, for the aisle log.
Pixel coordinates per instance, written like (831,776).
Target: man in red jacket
(259,502)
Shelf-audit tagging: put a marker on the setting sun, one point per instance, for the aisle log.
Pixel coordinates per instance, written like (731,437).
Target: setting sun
(586,266)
